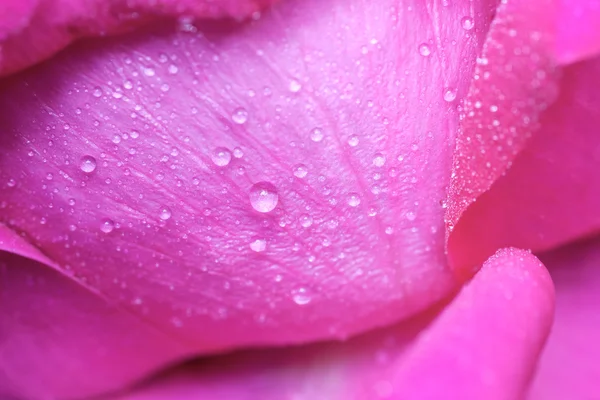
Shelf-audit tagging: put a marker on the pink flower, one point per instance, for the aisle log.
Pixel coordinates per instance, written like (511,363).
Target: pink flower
(222,175)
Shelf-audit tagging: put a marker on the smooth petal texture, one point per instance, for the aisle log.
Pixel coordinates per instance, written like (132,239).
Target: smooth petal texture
(33,30)
(551,193)
(579,36)
(569,364)
(137,162)
(50,326)
(484,345)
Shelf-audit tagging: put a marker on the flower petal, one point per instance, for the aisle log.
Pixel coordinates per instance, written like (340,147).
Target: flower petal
(33,30)
(569,364)
(149,164)
(484,345)
(60,340)
(550,194)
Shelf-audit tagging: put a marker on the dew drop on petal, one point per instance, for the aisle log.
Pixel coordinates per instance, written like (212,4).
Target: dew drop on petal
(353,200)
(379,160)
(301,296)
(221,157)
(353,141)
(238,153)
(263,197)
(306,220)
(165,213)
(295,86)
(240,116)
(424,50)
(467,23)
(259,245)
(88,164)
(449,94)
(300,171)
(316,135)
(107,226)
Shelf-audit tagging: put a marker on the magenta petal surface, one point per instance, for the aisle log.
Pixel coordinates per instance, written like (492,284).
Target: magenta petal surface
(51,328)
(229,206)
(550,194)
(569,364)
(484,345)
(33,30)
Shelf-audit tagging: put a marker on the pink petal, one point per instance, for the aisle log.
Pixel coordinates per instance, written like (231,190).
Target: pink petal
(115,149)
(129,169)
(569,365)
(550,195)
(53,328)
(484,345)
(33,30)
(516,80)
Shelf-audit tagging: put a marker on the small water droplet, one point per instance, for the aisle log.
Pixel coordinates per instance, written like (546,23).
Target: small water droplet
(263,197)
(301,296)
(107,226)
(467,23)
(449,94)
(300,171)
(379,160)
(237,152)
(411,216)
(316,135)
(259,245)
(424,50)
(353,200)
(353,141)
(295,86)
(240,116)
(221,157)
(305,220)
(389,230)
(165,213)
(97,92)
(148,71)
(88,164)
(173,69)
(11,183)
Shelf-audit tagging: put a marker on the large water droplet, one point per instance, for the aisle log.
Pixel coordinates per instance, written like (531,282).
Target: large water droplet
(301,296)
(300,171)
(316,135)
(263,197)
(424,49)
(259,245)
(107,226)
(221,156)
(353,200)
(88,164)
(165,213)
(467,23)
(240,116)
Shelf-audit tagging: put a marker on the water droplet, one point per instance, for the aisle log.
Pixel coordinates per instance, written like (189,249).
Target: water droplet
(449,94)
(134,134)
(107,226)
(165,213)
(240,116)
(300,171)
(238,153)
(97,92)
(259,245)
(467,23)
(353,200)
(316,135)
(353,141)
(173,69)
(221,157)
(263,197)
(301,296)
(411,216)
(295,86)
(88,164)
(11,183)
(379,160)
(148,71)
(306,220)
(389,230)
(424,50)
